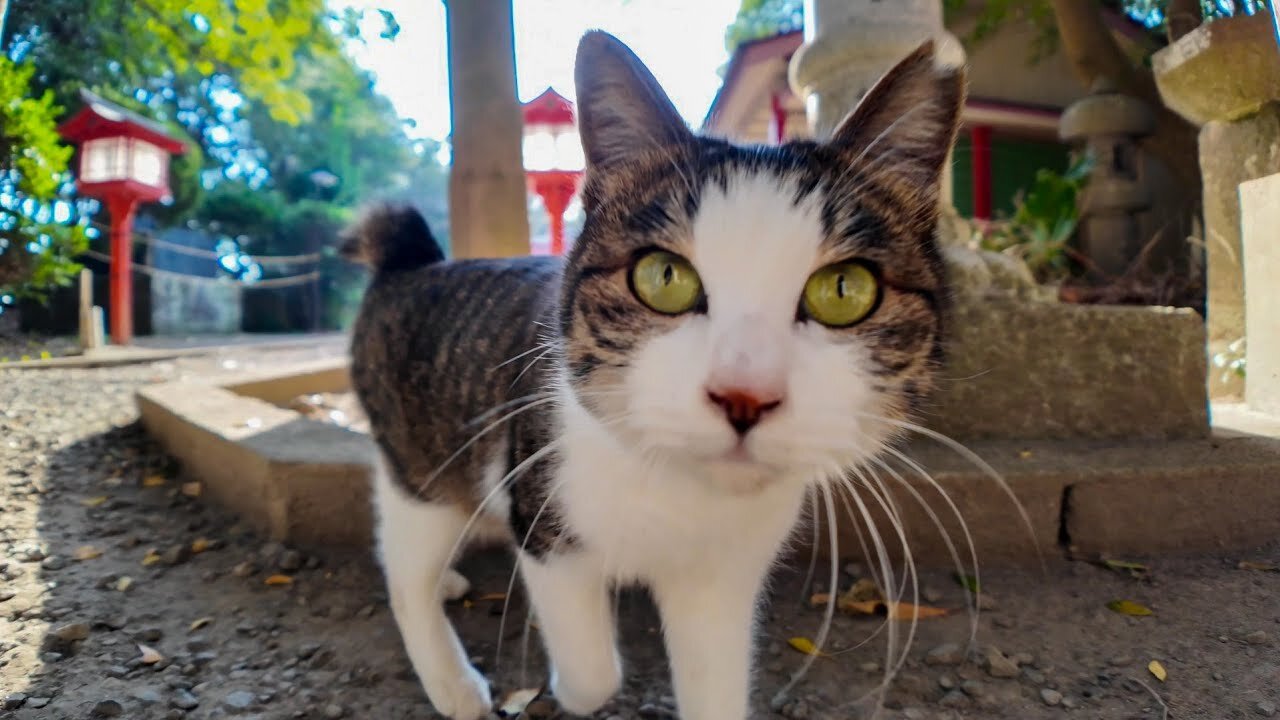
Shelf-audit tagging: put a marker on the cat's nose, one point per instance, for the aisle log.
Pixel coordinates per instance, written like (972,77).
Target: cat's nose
(743,409)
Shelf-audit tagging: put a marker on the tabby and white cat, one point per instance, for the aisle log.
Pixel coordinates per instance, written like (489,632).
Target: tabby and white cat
(735,327)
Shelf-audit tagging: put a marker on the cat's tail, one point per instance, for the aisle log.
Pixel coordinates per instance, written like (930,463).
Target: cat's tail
(390,238)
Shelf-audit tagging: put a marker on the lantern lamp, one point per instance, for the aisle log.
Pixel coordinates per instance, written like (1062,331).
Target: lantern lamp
(124,161)
(553,157)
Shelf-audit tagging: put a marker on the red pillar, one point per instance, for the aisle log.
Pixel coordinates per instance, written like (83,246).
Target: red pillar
(556,190)
(121,274)
(980,142)
(778,123)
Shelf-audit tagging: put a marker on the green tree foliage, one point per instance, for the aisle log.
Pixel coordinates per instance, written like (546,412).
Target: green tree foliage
(763,18)
(35,252)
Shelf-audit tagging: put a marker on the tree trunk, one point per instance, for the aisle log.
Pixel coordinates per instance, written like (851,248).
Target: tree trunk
(1094,53)
(488,215)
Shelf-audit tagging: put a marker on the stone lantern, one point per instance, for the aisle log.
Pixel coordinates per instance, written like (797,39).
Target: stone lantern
(124,161)
(1109,126)
(553,157)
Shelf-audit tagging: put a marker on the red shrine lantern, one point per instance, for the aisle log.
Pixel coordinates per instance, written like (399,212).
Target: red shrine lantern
(552,157)
(124,161)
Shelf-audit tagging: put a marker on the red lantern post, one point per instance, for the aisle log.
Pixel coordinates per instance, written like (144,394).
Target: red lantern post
(552,157)
(124,161)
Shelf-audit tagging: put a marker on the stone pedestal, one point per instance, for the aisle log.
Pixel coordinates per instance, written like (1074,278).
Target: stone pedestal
(1225,77)
(1260,221)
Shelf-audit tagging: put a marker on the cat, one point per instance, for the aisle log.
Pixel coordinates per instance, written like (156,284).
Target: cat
(736,327)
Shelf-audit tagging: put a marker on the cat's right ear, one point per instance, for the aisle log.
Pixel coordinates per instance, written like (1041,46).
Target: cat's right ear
(622,111)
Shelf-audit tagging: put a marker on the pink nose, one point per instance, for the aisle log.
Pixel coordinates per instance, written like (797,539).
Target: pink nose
(743,409)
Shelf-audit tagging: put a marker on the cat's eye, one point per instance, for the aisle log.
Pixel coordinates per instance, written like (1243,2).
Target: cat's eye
(840,295)
(666,282)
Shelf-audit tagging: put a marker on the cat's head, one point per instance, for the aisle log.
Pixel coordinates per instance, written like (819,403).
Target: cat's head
(761,308)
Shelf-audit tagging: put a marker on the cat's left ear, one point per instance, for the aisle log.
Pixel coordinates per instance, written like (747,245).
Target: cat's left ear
(909,118)
(622,111)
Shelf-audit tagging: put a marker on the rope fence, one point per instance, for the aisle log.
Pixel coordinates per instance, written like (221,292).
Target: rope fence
(266,260)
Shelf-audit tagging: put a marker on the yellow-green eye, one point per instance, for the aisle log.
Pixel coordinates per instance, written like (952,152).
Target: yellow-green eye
(841,294)
(666,282)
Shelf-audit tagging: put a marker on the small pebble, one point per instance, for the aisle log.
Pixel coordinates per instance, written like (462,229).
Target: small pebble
(973,688)
(333,712)
(53,562)
(540,709)
(947,682)
(1259,637)
(290,560)
(108,708)
(38,702)
(1265,708)
(238,699)
(998,665)
(948,654)
(13,701)
(1070,703)
(954,699)
(184,700)
(72,632)
(1051,697)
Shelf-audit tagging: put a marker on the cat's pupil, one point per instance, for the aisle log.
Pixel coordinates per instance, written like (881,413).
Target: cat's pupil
(667,274)
(840,286)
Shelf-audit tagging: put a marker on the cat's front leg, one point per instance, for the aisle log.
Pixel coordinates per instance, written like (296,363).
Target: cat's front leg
(570,596)
(709,621)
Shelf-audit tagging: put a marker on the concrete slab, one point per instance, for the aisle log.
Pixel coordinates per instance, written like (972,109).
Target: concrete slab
(1260,229)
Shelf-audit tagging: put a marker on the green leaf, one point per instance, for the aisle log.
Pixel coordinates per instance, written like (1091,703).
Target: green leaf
(968,582)
(1128,607)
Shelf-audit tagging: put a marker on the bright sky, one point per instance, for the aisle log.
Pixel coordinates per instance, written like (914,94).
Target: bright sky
(682,42)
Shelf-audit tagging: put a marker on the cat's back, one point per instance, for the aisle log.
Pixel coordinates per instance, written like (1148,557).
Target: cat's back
(438,344)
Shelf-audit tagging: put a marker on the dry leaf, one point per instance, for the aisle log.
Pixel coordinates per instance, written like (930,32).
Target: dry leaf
(1129,607)
(1137,570)
(199,623)
(153,481)
(151,558)
(906,611)
(124,583)
(94,501)
(894,611)
(192,489)
(199,545)
(150,656)
(492,597)
(1025,454)
(1261,566)
(517,700)
(806,646)
(1158,670)
(864,589)
(86,552)
(278,580)
(467,604)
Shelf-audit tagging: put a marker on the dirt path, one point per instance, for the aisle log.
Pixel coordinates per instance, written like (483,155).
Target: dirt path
(78,478)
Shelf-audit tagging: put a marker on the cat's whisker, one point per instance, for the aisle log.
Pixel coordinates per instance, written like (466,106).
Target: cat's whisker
(982,465)
(503,406)
(829,613)
(970,606)
(498,487)
(539,358)
(806,589)
(530,351)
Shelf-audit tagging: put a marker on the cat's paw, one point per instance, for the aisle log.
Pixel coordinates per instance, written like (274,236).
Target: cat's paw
(464,697)
(585,690)
(453,585)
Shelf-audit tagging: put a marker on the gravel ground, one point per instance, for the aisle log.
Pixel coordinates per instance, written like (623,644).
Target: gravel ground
(123,596)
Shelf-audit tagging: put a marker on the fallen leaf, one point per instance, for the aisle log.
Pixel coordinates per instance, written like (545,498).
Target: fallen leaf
(192,489)
(199,623)
(906,611)
(806,646)
(894,611)
(1025,454)
(151,558)
(968,582)
(150,656)
(278,580)
(492,597)
(45,355)
(86,552)
(863,589)
(1260,566)
(153,481)
(124,583)
(1128,607)
(1136,570)
(199,545)
(94,501)
(517,700)
(1158,670)
(467,604)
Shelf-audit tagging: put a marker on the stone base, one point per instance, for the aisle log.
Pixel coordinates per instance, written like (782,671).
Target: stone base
(291,478)
(1028,370)
(1120,499)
